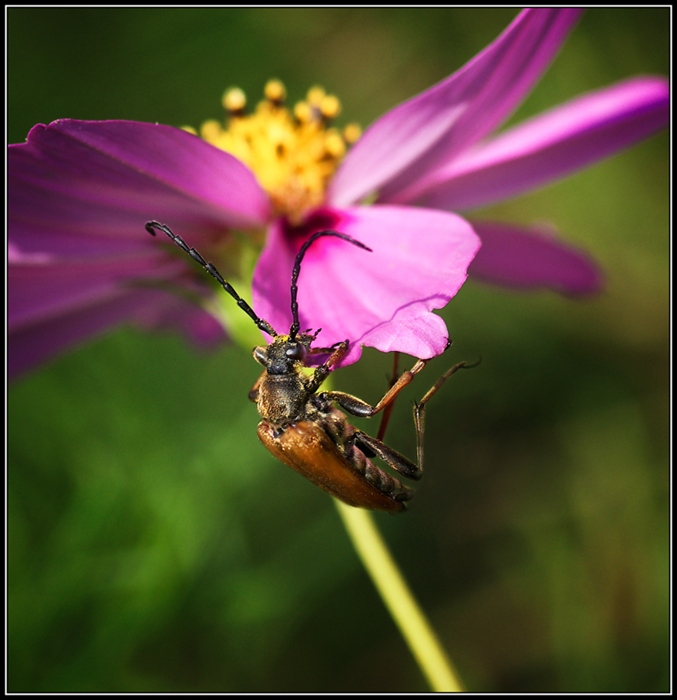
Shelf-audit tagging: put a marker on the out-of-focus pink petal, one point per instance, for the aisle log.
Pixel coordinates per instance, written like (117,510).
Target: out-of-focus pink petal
(415,138)
(34,344)
(79,196)
(383,299)
(170,312)
(38,292)
(553,145)
(75,185)
(532,258)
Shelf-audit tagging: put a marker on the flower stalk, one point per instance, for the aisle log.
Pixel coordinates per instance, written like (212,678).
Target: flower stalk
(399,600)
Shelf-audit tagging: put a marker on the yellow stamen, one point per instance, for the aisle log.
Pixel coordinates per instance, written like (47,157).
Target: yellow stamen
(316,95)
(275,91)
(234,100)
(330,107)
(303,112)
(351,133)
(211,130)
(293,155)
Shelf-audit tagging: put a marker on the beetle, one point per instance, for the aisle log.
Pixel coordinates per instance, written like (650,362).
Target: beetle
(301,426)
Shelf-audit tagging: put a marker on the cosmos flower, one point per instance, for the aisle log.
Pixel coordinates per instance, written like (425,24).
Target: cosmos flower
(80,193)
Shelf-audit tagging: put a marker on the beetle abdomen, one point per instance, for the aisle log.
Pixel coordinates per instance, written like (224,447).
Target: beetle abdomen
(355,480)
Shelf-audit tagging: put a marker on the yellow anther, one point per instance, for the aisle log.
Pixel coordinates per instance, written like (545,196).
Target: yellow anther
(351,132)
(303,112)
(335,145)
(330,107)
(211,130)
(234,100)
(275,91)
(190,130)
(315,95)
(293,155)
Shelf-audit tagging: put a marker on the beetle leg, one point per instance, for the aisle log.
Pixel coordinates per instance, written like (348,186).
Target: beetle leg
(315,352)
(361,408)
(419,408)
(326,368)
(391,457)
(325,351)
(348,402)
(402,381)
(385,418)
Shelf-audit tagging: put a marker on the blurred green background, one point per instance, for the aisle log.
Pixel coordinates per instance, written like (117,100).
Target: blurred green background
(154,545)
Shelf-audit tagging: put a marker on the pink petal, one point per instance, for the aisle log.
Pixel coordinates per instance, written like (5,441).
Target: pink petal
(532,258)
(99,182)
(419,135)
(33,345)
(79,195)
(382,299)
(39,292)
(170,311)
(553,145)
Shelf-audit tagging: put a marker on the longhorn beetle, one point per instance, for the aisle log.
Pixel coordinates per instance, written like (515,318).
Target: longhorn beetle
(301,427)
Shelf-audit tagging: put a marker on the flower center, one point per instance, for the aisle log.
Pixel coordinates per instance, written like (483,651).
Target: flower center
(292,153)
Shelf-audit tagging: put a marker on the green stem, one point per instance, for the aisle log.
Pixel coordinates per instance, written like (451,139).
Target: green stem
(403,607)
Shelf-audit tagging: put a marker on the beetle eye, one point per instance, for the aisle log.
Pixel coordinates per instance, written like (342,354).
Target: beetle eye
(295,352)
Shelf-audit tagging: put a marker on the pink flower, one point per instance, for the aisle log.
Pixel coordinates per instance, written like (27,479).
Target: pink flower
(80,193)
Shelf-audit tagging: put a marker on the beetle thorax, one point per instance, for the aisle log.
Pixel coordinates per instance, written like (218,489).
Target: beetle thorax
(282,392)
(282,398)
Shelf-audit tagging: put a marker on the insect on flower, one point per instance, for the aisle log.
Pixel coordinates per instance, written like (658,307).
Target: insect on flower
(300,426)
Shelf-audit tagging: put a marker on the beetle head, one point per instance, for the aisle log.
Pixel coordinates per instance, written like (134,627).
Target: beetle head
(284,354)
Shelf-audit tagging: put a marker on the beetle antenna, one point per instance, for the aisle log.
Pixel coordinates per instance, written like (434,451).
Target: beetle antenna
(295,326)
(151,226)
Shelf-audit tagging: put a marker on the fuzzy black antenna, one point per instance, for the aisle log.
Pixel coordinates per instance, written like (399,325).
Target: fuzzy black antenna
(295,326)
(151,226)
